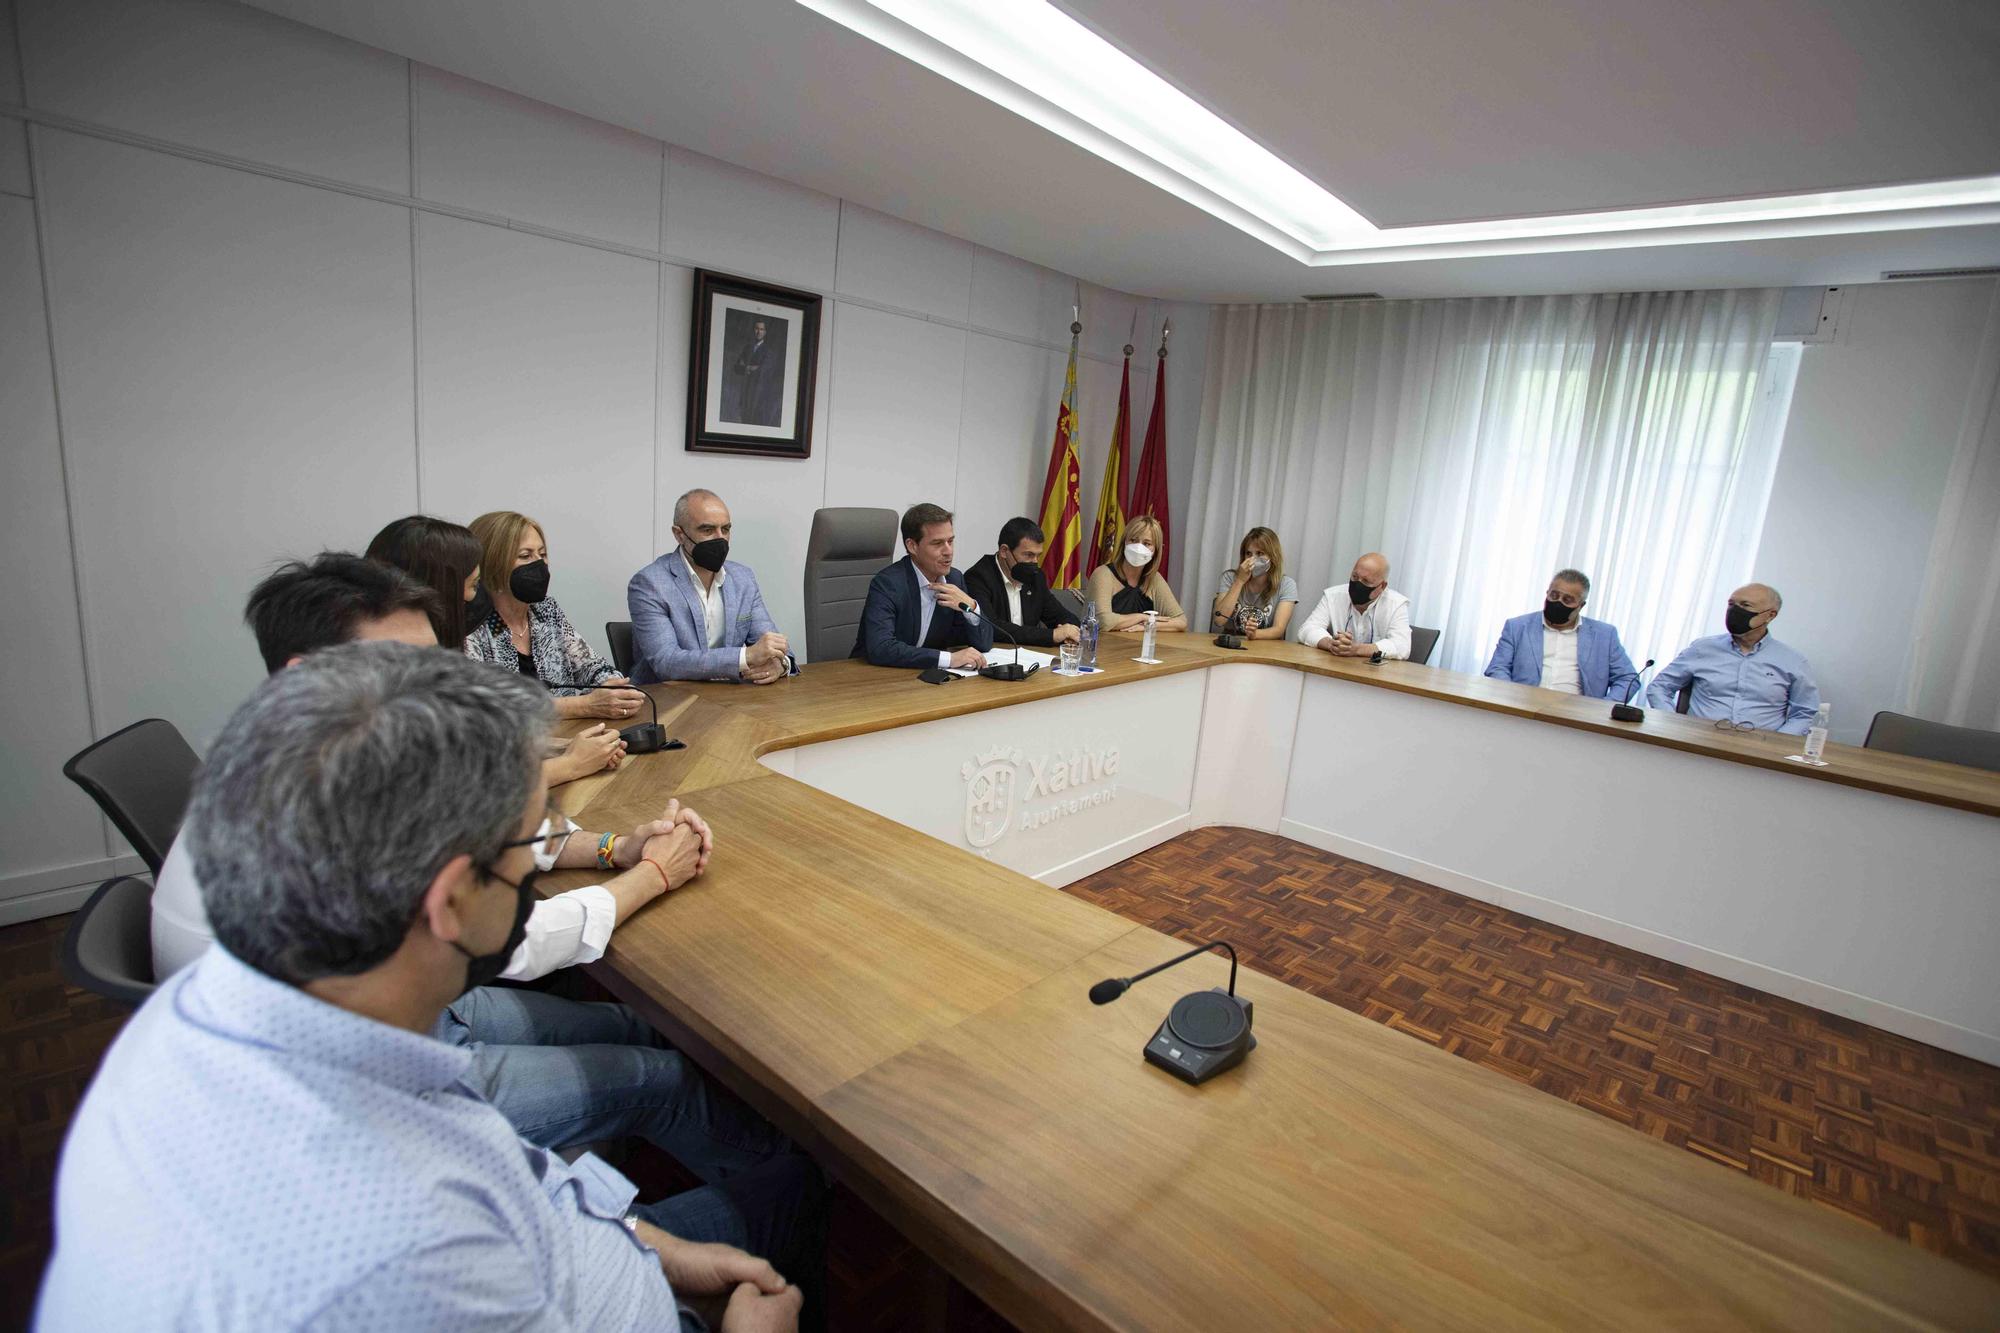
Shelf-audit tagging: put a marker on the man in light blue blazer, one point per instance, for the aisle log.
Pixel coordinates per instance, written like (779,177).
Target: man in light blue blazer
(1557,649)
(697,614)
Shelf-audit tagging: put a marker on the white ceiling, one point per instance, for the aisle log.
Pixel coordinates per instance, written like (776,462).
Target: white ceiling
(1412,111)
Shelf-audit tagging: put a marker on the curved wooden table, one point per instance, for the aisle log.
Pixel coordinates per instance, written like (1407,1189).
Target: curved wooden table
(917,1017)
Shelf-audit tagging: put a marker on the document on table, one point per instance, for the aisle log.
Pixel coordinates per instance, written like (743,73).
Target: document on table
(1007,656)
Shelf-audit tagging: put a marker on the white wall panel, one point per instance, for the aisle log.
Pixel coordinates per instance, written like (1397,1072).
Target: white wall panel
(771,501)
(234,354)
(1112,319)
(738,221)
(1010,417)
(1868,447)
(901,264)
(226,78)
(14,159)
(893,437)
(10,56)
(44,820)
(537,396)
(1009,295)
(484,149)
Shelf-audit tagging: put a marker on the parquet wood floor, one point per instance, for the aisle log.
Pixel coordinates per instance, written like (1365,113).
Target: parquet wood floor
(1887,1130)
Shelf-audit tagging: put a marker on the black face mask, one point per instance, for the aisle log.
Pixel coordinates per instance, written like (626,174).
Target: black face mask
(710,554)
(1738,619)
(1359,592)
(483,969)
(1557,612)
(529,583)
(1026,573)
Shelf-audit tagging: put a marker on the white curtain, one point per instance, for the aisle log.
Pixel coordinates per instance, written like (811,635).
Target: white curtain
(1955,665)
(1483,444)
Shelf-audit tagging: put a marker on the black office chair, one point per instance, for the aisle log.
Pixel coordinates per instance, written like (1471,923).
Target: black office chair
(1683,697)
(109,947)
(1899,733)
(1423,642)
(141,777)
(618,634)
(843,551)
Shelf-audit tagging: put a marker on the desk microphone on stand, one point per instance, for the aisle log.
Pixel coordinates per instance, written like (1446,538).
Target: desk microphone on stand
(1232,635)
(641,737)
(1009,670)
(1629,711)
(1206,1032)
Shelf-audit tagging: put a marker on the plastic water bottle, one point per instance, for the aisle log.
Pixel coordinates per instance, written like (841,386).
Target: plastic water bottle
(1152,630)
(1816,738)
(1087,638)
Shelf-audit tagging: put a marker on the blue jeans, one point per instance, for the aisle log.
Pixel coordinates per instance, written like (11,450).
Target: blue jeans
(566,1073)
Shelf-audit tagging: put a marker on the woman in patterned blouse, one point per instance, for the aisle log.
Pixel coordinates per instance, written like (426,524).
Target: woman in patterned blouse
(527,632)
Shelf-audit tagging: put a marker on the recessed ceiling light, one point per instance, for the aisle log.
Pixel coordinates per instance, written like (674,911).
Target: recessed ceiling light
(1035,60)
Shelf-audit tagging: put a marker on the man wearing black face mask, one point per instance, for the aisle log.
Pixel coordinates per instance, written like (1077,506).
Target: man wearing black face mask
(1364,618)
(1744,677)
(1012,593)
(1557,649)
(697,614)
(363,830)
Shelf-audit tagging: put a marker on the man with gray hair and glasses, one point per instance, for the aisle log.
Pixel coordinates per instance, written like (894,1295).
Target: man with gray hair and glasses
(277,1140)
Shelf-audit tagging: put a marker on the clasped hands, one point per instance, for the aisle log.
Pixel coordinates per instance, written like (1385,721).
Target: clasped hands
(679,843)
(764,660)
(1342,644)
(759,1298)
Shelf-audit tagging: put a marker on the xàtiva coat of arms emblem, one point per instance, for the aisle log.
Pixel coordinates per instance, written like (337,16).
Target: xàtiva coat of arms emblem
(989,795)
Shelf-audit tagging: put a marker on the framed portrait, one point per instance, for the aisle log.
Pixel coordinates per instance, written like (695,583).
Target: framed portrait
(752,366)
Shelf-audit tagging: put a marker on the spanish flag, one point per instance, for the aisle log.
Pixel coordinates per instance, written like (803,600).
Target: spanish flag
(1062,503)
(1109,527)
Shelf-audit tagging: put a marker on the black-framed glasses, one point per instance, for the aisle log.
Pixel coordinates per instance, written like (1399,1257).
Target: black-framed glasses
(557,837)
(1724,724)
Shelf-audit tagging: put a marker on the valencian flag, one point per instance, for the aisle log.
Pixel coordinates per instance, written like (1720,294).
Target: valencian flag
(1109,527)
(1149,492)
(1062,502)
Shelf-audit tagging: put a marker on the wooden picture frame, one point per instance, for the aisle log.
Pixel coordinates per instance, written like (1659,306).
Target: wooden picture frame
(753,362)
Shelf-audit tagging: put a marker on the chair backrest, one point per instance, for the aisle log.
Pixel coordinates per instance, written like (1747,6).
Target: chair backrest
(1069,599)
(1899,733)
(845,550)
(618,633)
(141,777)
(1683,697)
(109,947)
(1423,642)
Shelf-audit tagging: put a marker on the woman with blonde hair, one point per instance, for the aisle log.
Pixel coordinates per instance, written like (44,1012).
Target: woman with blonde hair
(1127,588)
(526,631)
(1257,594)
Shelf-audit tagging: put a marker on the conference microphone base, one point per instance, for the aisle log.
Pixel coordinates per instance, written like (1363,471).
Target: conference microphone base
(1627,713)
(1236,641)
(1005,671)
(648,738)
(1206,1032)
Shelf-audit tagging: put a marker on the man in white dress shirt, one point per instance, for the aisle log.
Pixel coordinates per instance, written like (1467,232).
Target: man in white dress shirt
(1364,618)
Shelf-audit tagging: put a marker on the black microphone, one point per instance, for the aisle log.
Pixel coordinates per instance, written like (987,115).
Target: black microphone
(1109,989)
(1205,1032)
(1627,711)
(643,737)
(1011,670)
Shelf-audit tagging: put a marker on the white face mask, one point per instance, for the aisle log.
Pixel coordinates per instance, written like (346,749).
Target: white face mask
(1138,554)
(1259,565)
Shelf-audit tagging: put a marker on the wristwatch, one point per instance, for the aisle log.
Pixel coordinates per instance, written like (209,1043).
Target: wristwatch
(631,1222)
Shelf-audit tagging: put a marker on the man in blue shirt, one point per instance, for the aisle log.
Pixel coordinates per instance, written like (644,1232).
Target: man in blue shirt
(275,1142)
(1744,676)
(1557,649)
(918,612)
(697,614)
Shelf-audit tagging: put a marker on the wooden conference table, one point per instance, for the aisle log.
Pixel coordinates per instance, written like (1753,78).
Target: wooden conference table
(916,1015)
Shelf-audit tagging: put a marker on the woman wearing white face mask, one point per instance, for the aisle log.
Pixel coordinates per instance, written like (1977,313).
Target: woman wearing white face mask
(1132,585)
(1257,593)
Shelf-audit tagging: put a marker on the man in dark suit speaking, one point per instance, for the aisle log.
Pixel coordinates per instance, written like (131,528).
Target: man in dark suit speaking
(918,613)
(1012,592)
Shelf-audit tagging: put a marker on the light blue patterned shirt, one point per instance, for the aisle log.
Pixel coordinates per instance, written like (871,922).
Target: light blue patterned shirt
(252,1158)
(1770,687)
